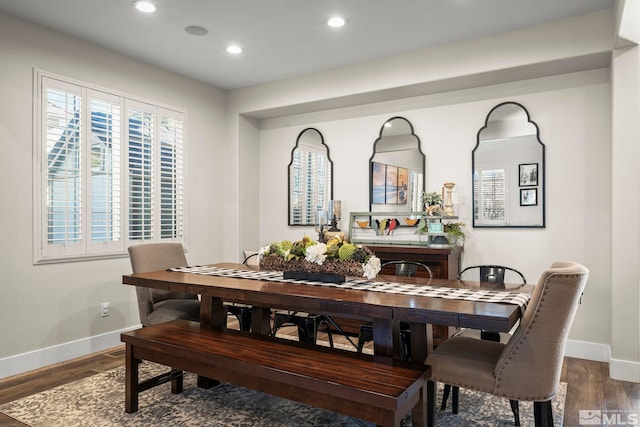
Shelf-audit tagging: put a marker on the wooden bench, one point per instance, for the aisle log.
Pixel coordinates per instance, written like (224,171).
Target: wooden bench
(362,386)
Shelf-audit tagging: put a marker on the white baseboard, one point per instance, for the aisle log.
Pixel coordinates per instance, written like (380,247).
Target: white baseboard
(24,362)
(623,370)
(588,350)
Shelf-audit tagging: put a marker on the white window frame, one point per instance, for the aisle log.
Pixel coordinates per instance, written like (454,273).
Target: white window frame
(86,249)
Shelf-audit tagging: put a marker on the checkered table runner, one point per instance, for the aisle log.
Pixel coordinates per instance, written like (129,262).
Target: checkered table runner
(518,298)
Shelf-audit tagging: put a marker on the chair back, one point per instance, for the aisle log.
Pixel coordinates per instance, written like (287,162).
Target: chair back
(530,364)
(492,273)
(153,257)
(408,268)
(251,258)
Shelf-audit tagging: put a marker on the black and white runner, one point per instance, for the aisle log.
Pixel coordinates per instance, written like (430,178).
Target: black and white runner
(508,297)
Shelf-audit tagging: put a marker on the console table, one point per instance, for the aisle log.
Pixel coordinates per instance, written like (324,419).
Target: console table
(444,263)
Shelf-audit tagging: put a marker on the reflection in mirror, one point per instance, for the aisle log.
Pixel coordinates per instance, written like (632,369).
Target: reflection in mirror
(396,169)
(508,170)
(310,178)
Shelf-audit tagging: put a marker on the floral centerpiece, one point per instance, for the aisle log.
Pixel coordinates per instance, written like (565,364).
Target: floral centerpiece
(337,257)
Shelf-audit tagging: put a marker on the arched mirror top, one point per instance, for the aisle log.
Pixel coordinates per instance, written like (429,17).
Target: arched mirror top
(310,177)
(396,168)
(508,170)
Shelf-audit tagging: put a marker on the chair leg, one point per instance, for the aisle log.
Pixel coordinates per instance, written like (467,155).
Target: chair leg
(365,335)
(515,407)
(445,396)
(455,399)
(405,344)
(431,403)
(308,330)
(543,414)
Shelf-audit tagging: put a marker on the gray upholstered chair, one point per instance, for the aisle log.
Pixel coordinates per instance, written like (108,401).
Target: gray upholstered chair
(528,367)
(155,305)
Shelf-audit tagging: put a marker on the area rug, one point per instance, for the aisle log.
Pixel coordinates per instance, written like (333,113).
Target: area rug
(98,401)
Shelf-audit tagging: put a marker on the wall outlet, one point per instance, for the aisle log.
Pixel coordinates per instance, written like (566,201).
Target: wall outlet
(104,310)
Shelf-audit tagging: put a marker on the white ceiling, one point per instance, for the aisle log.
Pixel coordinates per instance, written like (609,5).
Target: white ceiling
(284,38)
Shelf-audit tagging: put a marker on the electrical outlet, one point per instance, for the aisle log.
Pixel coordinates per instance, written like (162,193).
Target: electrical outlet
(105,309)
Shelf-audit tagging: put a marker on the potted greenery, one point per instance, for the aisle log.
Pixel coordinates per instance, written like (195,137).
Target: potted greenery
(455,233)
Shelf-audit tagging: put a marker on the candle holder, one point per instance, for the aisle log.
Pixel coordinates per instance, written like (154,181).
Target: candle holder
(448,204)
(321,225)
(335,209)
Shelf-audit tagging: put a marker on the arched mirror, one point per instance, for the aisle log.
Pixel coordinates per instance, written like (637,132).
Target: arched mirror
(310,178)
(396,169)
(508,170)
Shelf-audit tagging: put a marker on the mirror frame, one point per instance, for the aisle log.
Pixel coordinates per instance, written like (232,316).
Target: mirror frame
(289,167)
(375,143)
(541,172)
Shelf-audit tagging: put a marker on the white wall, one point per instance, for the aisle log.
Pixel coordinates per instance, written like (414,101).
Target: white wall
(559,77)
(49,313)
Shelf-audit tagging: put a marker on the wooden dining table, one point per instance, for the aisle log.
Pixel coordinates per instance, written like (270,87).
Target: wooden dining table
(384,310)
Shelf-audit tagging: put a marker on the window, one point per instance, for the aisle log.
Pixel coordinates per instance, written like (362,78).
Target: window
(110,172)
(490,195)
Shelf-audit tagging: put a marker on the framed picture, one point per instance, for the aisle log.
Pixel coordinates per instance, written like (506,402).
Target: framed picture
(528,174)
(528,196)
(377,186)
(391,190)
(403,185)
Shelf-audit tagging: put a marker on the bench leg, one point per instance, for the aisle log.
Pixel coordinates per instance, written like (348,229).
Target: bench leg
(420,411)
(204,382)
(131,381)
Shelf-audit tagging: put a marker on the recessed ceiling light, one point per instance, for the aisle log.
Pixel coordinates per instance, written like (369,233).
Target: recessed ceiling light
(336,21)
(196,30)
(144,6)
(234,48)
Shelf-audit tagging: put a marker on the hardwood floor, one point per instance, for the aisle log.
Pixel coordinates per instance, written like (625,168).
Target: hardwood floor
(589,386)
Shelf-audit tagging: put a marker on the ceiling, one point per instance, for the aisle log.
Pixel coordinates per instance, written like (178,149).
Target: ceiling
(284,38)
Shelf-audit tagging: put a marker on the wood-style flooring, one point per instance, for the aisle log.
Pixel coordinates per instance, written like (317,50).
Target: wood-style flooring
(589,386)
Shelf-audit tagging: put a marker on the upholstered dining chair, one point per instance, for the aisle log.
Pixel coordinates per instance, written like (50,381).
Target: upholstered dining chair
(155,305)
(492,274)
(402,268)
(528,366)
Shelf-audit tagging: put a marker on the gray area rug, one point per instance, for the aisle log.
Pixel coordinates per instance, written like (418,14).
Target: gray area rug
(98,401)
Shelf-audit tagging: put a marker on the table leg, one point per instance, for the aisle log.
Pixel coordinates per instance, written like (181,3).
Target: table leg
(384,331)
(421,341)
(212,312)
(260,320)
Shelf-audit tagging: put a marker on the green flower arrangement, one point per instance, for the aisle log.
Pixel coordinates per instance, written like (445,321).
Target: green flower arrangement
(432,202)
(337,256)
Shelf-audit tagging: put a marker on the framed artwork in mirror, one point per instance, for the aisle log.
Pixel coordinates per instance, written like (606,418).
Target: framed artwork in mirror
(391,185)
(528,197)
(379,173)
(397,168)
(528,173)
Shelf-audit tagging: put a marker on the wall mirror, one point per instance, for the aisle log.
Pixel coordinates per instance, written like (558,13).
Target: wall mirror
(396,169)
(310,178)
(508,170)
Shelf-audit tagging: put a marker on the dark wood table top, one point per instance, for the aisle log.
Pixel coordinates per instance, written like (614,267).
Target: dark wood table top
(383,308)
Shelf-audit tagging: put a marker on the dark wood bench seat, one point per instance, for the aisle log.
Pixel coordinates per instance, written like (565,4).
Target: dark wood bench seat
(357,385)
